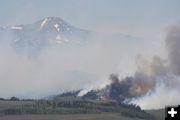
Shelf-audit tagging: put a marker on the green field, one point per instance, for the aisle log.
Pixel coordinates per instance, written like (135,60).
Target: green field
(159,114)
(72,113)
(68,117)
(9,104)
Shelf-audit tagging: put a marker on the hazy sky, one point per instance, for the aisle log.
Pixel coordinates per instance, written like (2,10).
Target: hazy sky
(145,18)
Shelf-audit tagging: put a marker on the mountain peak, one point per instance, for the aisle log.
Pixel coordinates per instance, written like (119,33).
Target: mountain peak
(51,21)
(54,18)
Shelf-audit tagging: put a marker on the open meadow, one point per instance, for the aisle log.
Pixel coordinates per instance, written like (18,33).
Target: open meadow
(68,117)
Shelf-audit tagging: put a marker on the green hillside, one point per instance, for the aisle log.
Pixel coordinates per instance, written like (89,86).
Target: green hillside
(159,114)
(71,106)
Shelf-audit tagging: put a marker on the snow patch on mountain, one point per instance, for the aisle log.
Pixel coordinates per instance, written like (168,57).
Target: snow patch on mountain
(16,28)
(44,22)
(57,27)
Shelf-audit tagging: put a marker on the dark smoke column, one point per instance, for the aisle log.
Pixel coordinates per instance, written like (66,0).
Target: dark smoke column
(173,46)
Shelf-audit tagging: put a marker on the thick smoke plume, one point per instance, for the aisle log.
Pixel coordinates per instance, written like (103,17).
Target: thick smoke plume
(155,84)
(173,46)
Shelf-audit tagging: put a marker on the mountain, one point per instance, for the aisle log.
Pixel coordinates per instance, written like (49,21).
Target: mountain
(46,32)
(54,31)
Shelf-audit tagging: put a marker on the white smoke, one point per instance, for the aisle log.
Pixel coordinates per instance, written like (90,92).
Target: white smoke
(160,97)
(56,70)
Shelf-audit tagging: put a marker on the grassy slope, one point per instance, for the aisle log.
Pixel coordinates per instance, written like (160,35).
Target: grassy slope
(68,117)
(159,114)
